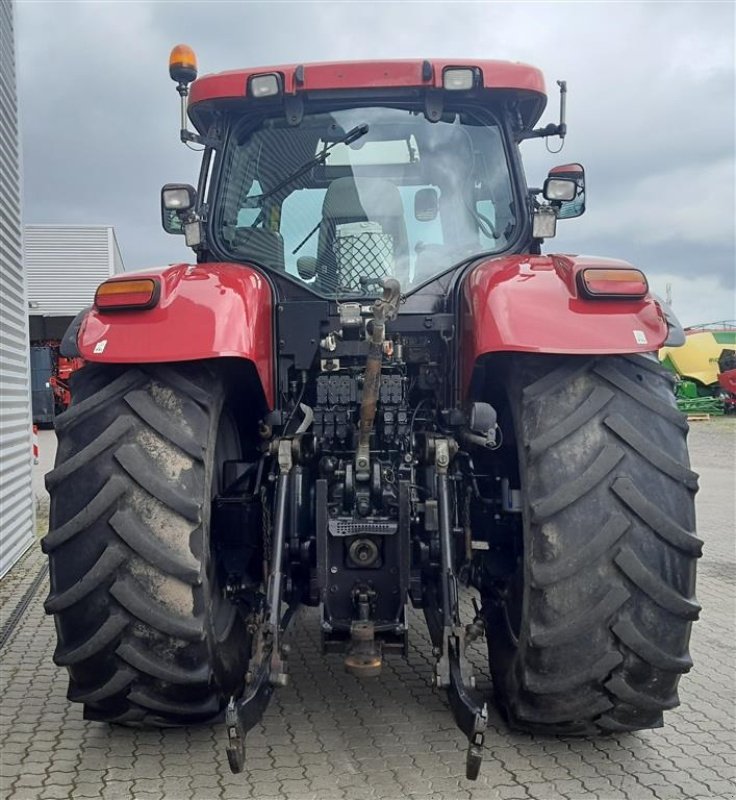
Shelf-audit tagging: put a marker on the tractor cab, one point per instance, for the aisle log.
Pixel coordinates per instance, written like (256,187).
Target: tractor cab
(336,176)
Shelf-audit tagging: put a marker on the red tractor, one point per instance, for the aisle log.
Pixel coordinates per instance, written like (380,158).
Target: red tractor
(372,389)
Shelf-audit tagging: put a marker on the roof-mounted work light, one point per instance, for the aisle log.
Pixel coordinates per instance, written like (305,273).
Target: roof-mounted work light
(264,85)
(459,79)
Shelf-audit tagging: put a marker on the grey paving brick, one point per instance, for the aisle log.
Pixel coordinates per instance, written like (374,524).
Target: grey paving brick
(153,785)
(57,793)
(30,779)
(24,793)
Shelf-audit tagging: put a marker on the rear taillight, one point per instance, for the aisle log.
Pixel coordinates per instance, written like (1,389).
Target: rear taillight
(613,283)
(131,293)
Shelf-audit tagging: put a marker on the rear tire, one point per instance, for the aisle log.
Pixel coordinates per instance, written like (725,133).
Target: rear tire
(142,623)
(590,633)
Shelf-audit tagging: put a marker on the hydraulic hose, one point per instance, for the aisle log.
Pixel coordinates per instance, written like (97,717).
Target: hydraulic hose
(383,309)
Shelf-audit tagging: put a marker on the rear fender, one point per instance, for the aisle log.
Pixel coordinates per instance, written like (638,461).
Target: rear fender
(203,311)
(531,304)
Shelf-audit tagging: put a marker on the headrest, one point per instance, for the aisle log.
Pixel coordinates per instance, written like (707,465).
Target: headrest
(362,198)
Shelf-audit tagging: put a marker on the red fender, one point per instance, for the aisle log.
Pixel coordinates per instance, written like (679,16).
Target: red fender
(203,311)
(531,304)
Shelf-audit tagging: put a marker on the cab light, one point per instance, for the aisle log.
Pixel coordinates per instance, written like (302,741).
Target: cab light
(264,85)
(458,80)
(127,294)
(183,64)
(605,283)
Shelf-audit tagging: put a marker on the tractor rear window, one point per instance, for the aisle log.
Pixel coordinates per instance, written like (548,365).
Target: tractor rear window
(351,196)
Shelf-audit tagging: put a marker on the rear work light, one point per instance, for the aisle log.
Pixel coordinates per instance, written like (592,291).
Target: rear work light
(264,85)
(459,79)
(127,294)
(613,283)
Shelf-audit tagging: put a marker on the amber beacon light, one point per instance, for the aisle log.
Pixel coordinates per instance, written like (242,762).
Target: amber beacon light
(183,64)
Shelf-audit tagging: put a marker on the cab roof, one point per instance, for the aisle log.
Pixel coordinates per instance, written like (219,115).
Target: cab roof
(507,76)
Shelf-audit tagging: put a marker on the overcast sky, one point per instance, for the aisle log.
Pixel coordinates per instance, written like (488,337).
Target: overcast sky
(650,112)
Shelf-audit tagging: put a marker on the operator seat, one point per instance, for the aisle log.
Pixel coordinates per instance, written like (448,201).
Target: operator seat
(260,244)
(348,250)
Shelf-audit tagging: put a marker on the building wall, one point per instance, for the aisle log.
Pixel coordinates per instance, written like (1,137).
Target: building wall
(66,263)
(16,492)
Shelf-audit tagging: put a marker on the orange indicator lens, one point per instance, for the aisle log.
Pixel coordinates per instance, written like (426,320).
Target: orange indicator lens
(113,295)
(613,283)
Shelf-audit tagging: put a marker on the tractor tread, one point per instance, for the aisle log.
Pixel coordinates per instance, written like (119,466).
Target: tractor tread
(120,679)
(175,379)
(585,705)
(541,683)
(113,489)
(610,724)
(563,374)
(110,629)
(144,472)
(139,603)
(617,685)
(158,419)
(590,632)
(647,449)
(572,627)
(639,393)
(146,662)
(598,399)
(546,573)
(658,520)
(570,492)
(80,409)
(652,365)
(145,632)
(105,566)
(96,447)
(638,643)
(129,527)
(153,702)
(652,585)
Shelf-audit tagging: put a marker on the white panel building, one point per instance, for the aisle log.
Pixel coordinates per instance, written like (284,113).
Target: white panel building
(16,490)
(65,264)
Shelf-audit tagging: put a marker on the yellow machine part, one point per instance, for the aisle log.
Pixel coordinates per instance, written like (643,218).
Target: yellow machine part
(697,359)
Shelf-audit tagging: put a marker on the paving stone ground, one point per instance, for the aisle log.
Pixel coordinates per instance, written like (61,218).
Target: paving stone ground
(329,736)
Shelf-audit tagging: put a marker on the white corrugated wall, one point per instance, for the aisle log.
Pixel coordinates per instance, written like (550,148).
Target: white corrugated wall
(66,263)
(16,490)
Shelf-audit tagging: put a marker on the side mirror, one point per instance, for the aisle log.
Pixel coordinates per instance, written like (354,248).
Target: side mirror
(565,189)
(177,200)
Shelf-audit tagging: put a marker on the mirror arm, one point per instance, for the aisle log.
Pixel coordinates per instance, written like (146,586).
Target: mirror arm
(551,130)
(562,127)
(207,141)
(539,133)
(184,133)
